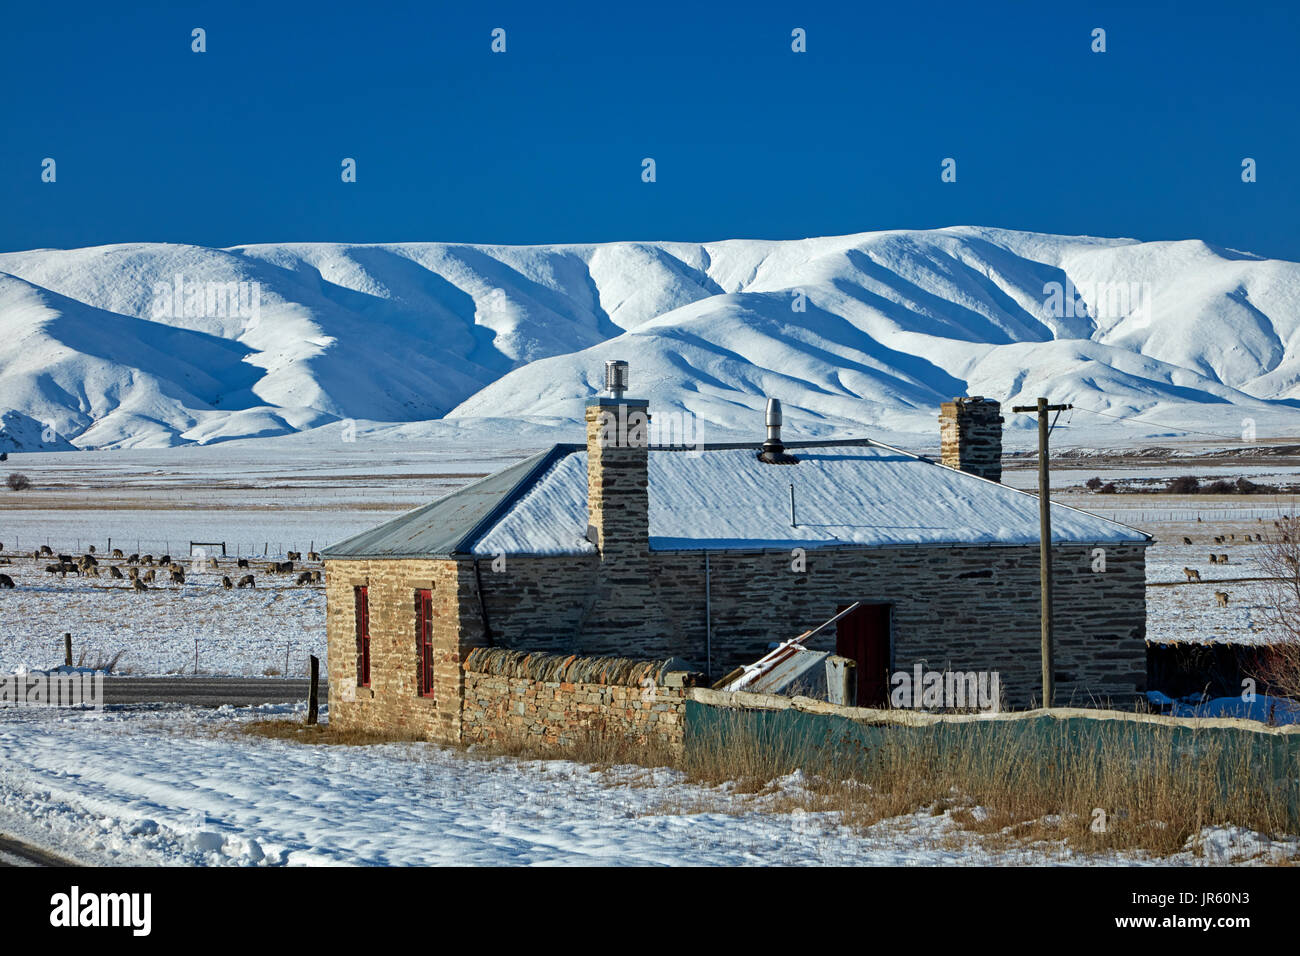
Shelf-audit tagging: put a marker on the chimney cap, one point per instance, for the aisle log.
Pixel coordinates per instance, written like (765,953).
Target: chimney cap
(616,377)
(773,452)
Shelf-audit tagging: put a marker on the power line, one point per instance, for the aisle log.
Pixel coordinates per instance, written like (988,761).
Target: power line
(1147,421)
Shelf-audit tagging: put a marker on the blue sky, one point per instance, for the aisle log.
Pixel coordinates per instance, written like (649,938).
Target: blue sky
(545,142)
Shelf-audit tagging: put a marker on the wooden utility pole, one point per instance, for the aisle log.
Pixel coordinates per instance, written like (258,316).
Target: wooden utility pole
(312,694)
(1045,542)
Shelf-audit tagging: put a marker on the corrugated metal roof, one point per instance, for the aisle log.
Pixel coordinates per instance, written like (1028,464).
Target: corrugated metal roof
(453,523)
(847,494)
(856,493)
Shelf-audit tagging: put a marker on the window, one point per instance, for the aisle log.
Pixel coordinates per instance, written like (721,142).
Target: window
(424,640)
(361,597)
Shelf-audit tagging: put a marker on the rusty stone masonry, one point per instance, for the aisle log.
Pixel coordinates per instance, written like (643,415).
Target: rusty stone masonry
(551,701)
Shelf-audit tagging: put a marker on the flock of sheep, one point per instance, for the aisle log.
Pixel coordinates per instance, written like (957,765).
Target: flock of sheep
(143,571)
(1194,576)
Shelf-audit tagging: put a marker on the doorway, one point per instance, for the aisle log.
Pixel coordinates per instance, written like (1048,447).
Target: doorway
(863,637)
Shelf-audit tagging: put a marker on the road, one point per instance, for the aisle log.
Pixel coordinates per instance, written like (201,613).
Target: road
(15,853)
(207,691)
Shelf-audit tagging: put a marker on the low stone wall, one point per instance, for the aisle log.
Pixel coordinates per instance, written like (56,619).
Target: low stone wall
(554,701)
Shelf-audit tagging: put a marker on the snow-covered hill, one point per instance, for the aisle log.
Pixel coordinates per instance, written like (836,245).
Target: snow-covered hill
(160,344)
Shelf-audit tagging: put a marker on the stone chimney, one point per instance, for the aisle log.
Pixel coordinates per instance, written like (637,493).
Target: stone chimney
(970,430)
(626,616)
(618,506)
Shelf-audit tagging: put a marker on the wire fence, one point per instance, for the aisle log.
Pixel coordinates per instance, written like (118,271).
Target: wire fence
(270,549)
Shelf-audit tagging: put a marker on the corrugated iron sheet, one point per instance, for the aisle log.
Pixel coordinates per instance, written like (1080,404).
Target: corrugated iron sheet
(451,524)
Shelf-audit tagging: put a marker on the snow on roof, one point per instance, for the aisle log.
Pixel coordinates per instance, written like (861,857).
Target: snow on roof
(846,494)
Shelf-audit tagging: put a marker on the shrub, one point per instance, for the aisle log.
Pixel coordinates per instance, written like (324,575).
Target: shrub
(1094,483)
(17,481)
(1107,489)
(1186,485)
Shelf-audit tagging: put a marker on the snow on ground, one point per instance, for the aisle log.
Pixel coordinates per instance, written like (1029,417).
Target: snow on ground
(245,632)
(176,786)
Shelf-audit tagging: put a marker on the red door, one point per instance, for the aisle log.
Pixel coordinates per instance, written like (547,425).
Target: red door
(863,636)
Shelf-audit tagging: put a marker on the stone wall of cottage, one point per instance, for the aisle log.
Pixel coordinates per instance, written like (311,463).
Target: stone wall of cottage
(392,703)
(541,705)
(962,608)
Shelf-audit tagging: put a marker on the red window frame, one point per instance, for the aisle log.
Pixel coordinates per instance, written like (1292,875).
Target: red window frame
(361,595)
(424,641)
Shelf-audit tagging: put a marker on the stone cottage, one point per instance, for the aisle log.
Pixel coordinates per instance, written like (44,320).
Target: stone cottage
(713,553)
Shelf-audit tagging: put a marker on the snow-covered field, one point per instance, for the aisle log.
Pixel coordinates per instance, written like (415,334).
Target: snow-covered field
(292,494)
(173,785)
(169,629)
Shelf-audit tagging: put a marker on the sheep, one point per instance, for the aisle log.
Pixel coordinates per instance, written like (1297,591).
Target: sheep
(65,559)
(313,555)
(6,582)
(133,559)
(304,578)
(133,573)
(114,573)
(88,559)
(294,555)
(247,581)
(45,549)
(1214,559)
(178,577)
(91,570)
(1222,598)
(147,559)
(92,548)
(1192,575)
(117,553)
(1223,559)
(1186,540)
(242,563)
(149,576)
(139,585)
(226,582)
(315,576)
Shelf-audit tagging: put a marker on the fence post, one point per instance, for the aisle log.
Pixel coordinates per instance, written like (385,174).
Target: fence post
(311,697)
(67,649)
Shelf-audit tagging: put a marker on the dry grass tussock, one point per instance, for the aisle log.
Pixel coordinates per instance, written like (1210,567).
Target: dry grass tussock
(1097,785)
(301,732)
